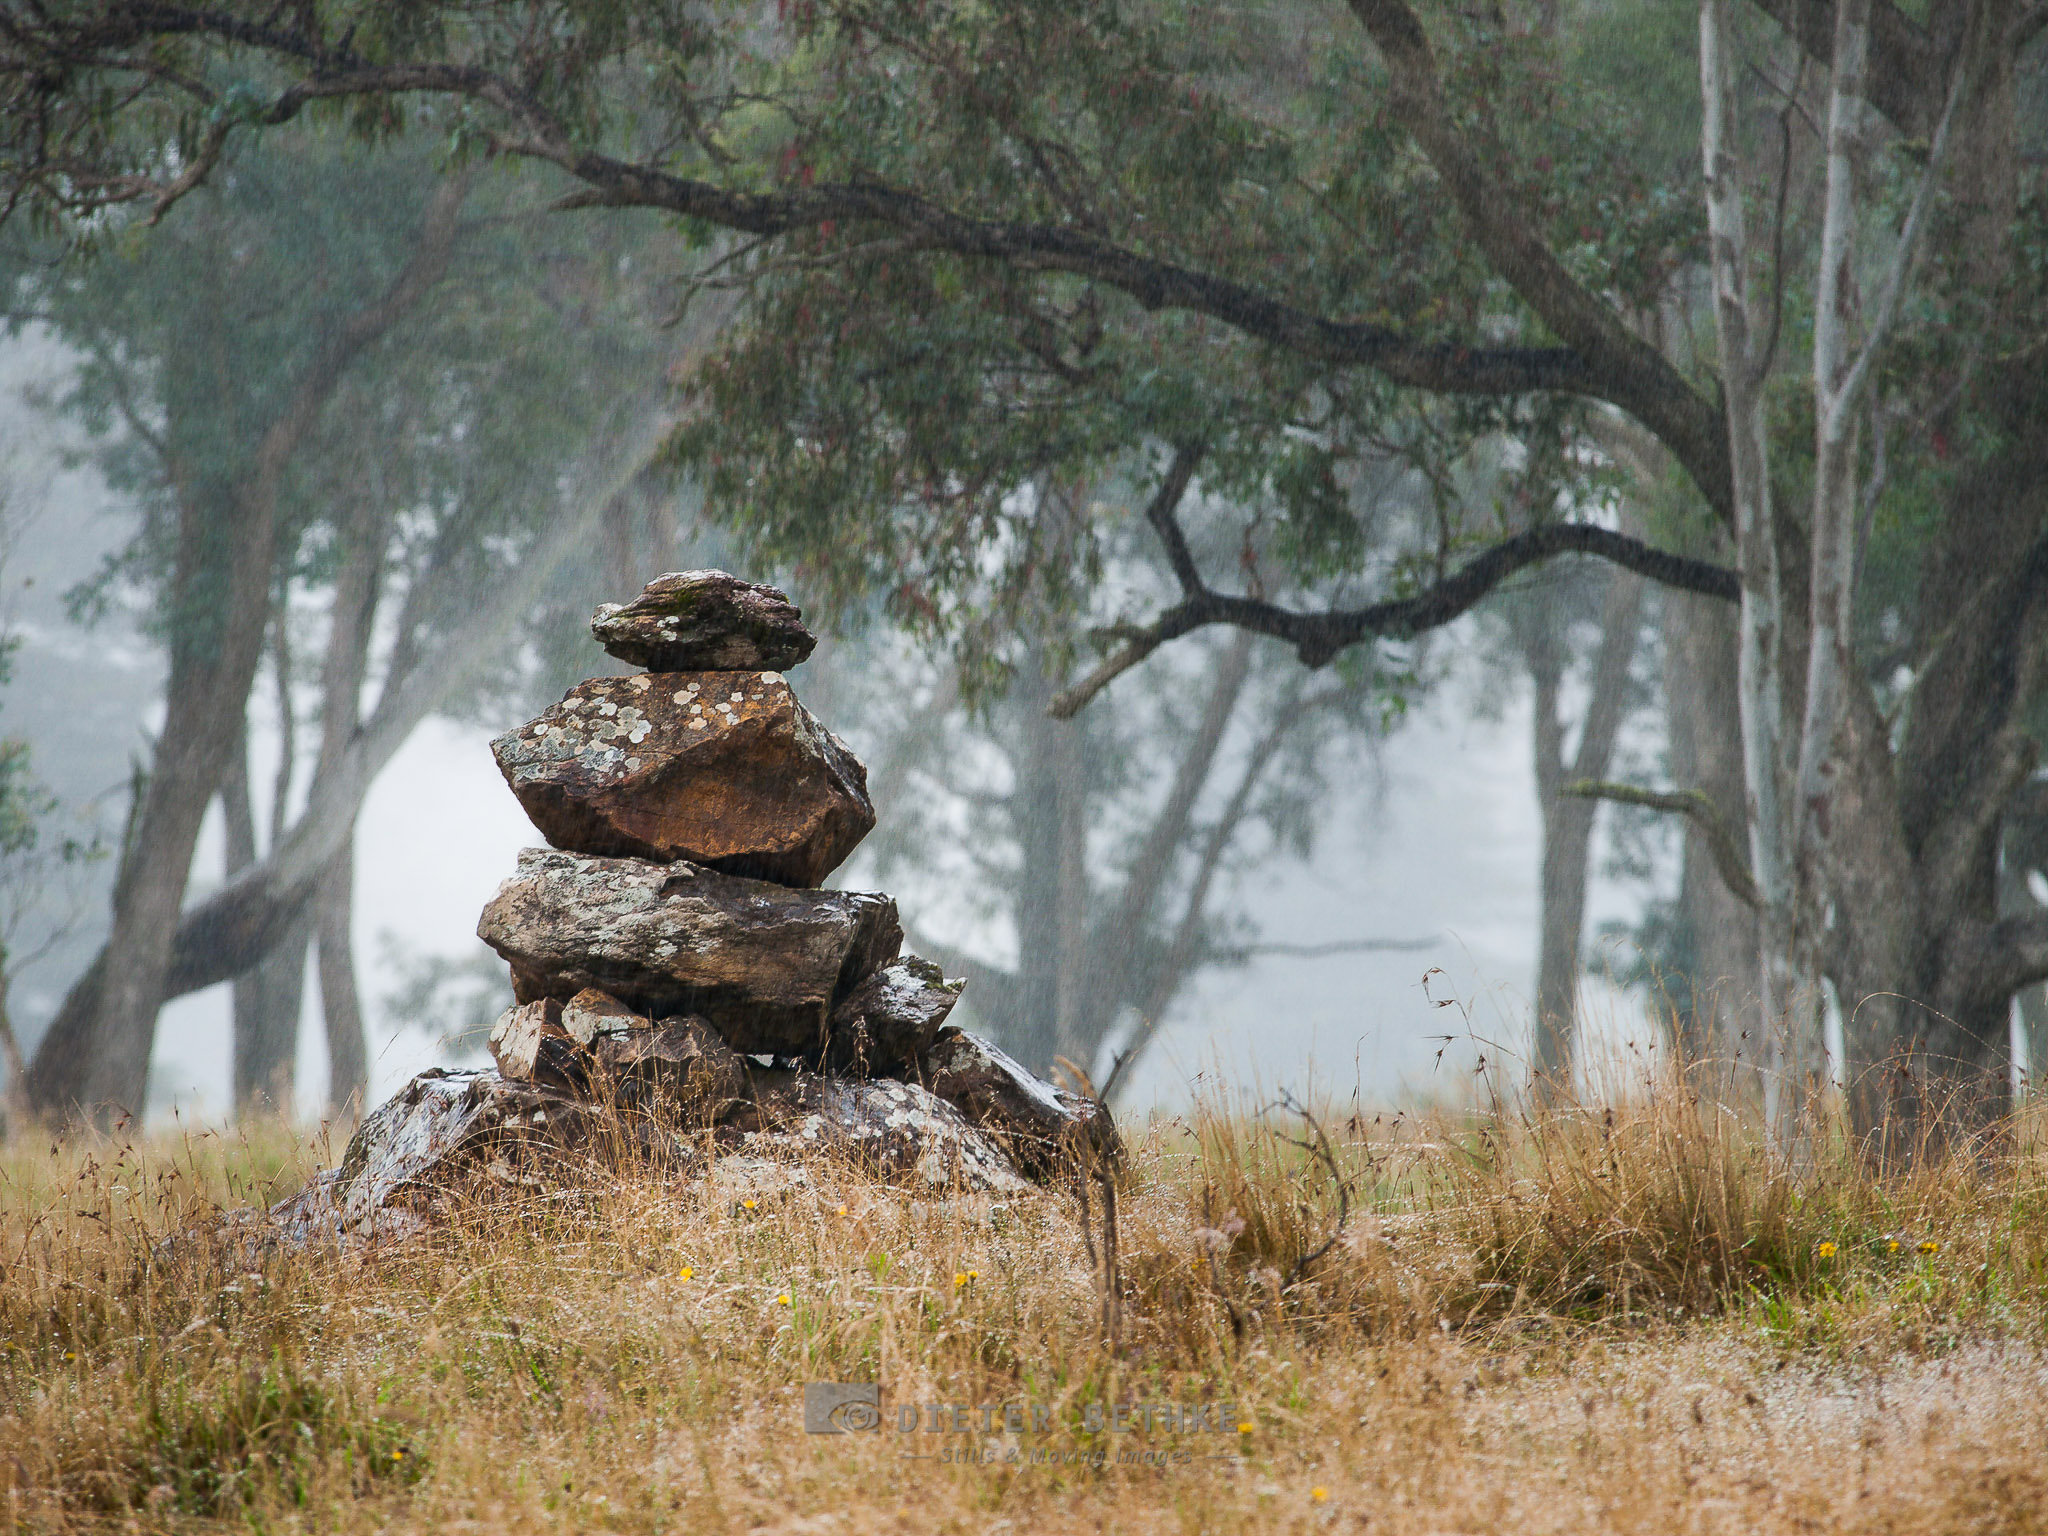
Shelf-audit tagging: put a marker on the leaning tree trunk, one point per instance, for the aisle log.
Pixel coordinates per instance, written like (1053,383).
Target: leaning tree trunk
(95,1054)
(348,1065)
(1113,975)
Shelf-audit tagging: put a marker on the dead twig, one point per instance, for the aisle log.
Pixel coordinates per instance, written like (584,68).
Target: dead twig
(1317,1145)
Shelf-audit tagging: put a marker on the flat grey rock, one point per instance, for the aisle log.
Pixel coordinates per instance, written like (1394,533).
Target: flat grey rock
(763,964)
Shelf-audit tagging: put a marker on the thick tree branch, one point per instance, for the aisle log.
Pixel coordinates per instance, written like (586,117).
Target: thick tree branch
(1692,803)
(1601,359)
(1907,76)
(1318,638)
(1635,375)
(2004,955)
(1162,512)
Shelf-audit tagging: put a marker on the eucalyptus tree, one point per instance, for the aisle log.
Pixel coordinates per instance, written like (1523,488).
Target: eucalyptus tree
(1081,873)
(1357,233)
(316,382)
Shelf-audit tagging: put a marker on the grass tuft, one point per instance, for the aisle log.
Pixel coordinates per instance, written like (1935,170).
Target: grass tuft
(1634,1318)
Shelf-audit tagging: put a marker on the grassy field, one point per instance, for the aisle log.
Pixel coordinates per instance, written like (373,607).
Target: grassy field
(1629,1321)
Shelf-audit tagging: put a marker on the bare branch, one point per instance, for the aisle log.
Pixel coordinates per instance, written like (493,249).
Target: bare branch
(1317,1145)
(1336,947)
(1318,638)
(1601,360)
(1690,803)
(1163,513)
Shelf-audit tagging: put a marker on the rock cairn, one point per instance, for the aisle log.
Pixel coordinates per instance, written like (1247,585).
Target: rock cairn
(681,983)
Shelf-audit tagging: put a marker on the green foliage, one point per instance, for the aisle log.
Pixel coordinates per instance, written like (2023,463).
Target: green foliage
(261,1434)
(452,442)
(892,418)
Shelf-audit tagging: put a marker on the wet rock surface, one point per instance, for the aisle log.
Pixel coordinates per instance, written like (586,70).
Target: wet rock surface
(1046,1128)
(725,769)
(678,1069)
(704,621)
(673,939)
(440,1128)
(764,964)
(884,1024)
(891,1130)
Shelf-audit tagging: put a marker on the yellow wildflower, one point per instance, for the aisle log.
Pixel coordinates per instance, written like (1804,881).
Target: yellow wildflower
(1245,1428)
(782,1300)
(1827,1250)
(842,1210)
(1930,1246)
(685,1272)
(1320,1494)
(1891,1245)
(959,1278)
(747,1205)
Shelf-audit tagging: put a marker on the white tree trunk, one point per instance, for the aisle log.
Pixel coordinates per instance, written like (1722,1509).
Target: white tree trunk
(1760,661)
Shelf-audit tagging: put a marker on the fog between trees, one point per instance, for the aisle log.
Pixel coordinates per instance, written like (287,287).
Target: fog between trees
(1164,404)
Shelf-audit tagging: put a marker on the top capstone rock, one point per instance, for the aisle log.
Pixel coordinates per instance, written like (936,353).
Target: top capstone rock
(704,621)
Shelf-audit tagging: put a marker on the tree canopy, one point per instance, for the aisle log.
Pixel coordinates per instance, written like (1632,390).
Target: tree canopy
(1317,259)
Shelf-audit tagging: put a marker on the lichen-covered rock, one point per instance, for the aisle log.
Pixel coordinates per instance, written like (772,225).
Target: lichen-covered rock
(886,1022)
(762,963)
(1045,1128)
(462,1131)
(895,1131)
(678,1069)
(591,1013)
(724,769)
(538,1042)
(441,1126)
(595,1047)
(704,621)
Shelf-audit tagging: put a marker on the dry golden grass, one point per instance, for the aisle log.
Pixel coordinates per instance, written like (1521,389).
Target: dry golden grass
(1632,1322)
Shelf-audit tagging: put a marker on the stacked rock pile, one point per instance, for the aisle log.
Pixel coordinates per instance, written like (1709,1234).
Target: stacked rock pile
(680,981)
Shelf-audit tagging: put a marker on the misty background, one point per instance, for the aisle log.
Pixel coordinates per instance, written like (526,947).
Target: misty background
(1424,837)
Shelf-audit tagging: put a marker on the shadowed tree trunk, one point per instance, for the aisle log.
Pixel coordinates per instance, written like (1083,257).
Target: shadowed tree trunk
(1717,932)
(1050,774)
(1568,819)
(268,999)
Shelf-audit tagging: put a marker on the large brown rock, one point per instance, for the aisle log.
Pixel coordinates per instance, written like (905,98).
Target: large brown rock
(891,1130)
(762,964)
(704,621)
(1046,1129)
(725,769)
(886,1022)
